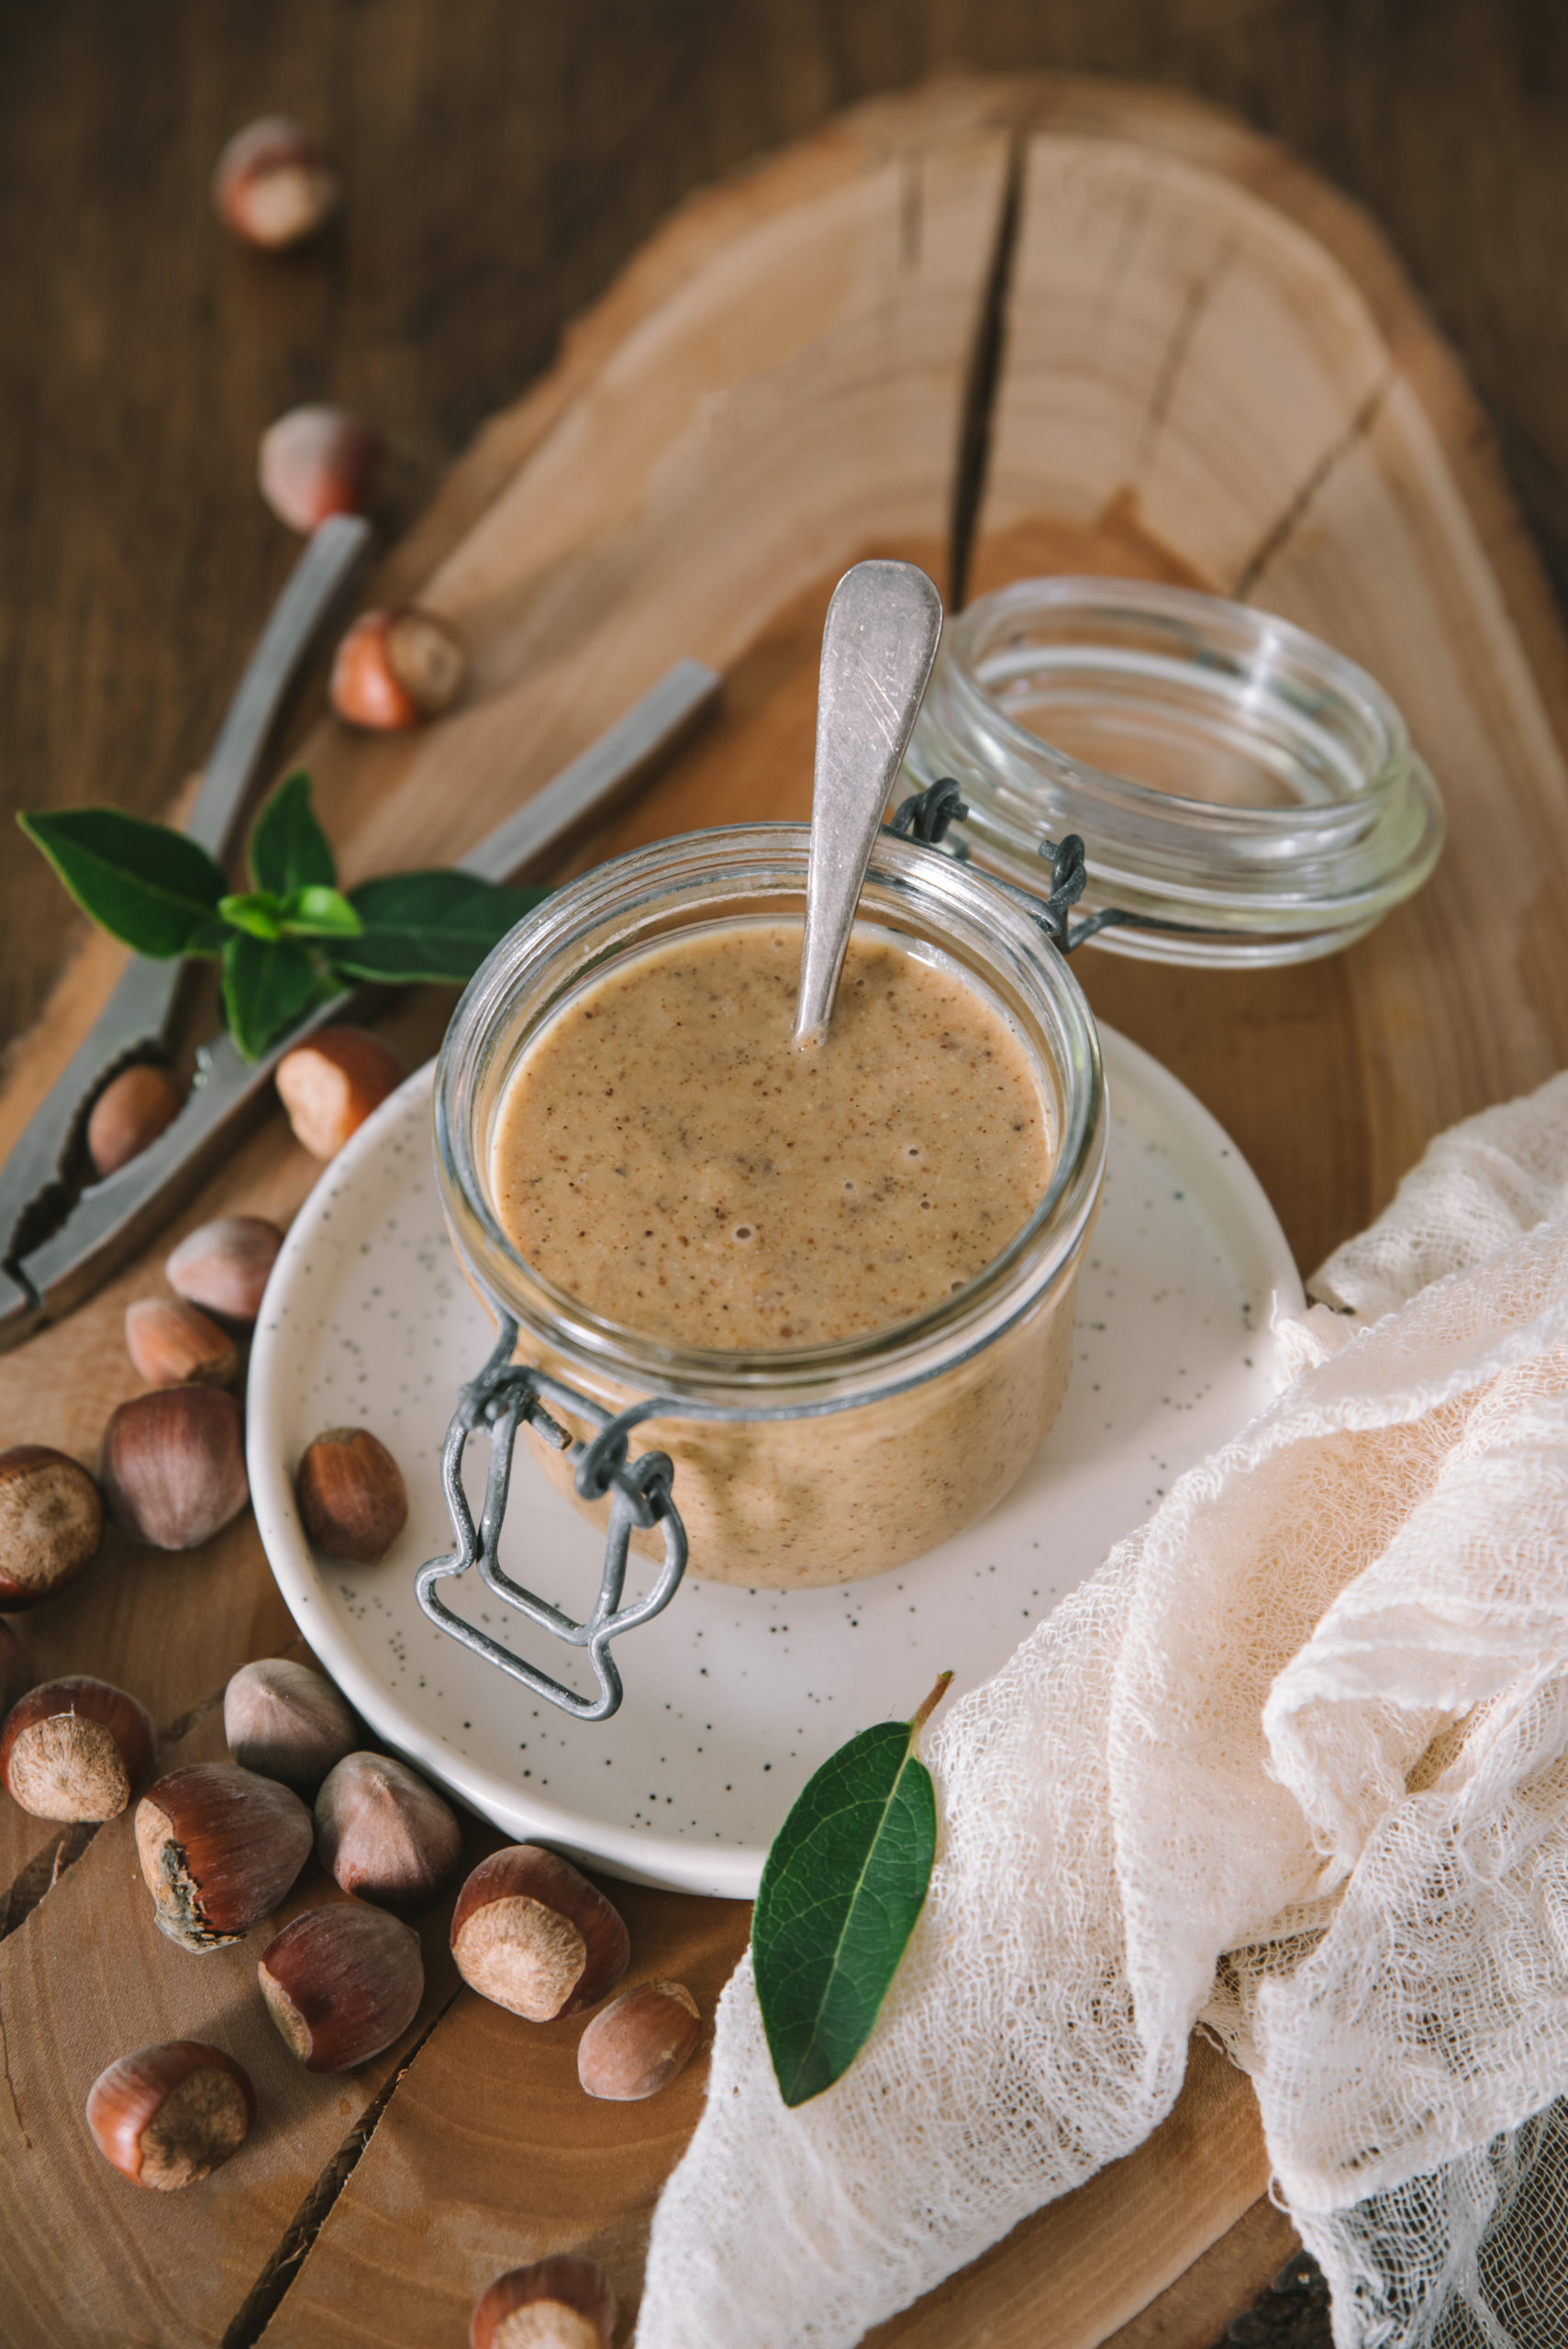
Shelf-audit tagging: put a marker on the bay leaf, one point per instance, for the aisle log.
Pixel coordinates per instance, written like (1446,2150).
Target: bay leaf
(288,848)
(841,1889)
(146,885)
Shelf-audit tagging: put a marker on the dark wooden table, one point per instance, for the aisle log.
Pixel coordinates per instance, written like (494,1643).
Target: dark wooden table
(502,157)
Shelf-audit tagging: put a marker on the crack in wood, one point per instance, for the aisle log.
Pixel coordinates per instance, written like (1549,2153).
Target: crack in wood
(266,2294)
(42,1873)
(180,1729)
(983,381)
(1200,293)
(1291,516)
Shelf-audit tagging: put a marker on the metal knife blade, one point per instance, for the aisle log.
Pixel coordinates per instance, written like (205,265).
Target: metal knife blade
(113,1217)
(137,1020)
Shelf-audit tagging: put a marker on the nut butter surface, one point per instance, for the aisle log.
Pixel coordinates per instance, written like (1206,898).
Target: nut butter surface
(665,1154)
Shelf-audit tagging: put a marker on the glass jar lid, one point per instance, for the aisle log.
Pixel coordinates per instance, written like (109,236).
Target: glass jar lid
(1228,772)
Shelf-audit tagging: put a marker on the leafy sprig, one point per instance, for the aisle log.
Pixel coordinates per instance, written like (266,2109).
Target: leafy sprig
(292,940)
(841,1889)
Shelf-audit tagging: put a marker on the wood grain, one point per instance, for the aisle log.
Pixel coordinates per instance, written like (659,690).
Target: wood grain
(785,381)
(503,163)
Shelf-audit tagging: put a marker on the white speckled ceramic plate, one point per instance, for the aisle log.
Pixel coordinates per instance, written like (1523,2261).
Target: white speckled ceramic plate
(732,1698)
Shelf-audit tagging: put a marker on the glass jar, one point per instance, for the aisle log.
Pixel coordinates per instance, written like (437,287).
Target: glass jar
(815,1464)
(1226,771)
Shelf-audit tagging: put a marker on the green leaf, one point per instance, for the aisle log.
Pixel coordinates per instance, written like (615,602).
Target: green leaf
(842,1886)
(267,987)
(260,915)
(146,885)
(319,912)
(429,926)
(289,850)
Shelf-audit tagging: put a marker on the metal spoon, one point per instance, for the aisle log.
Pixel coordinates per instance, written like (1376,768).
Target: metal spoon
(883,626)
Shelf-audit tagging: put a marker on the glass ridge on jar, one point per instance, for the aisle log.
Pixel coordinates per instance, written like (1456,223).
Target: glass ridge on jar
(812,1464)
(1226,771)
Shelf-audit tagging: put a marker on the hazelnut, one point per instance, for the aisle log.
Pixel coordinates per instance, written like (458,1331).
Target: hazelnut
(225,1264)
(352,1496)
(341,1984)
(329,1084)
(394,668)
(640,2042)
(171,1343)
(315,461)
(219,1847)
(75,1749)
(51,1522)
(166,2116)
(130,1112)
(274,185)
(175,1466)
(533,1934)
(287,1722)
(559,2303)
(384,1834)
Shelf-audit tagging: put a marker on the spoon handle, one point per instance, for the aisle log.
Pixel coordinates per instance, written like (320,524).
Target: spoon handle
(881,639)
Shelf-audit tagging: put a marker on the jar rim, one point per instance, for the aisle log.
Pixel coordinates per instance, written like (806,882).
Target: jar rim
(1355,823)
(546,956)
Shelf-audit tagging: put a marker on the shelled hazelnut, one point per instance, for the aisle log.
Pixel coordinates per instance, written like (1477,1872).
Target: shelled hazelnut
(130,1112)
(395,669)
(274,185)
(167,2115)
(286,1722)
(219,1847)
(314,461)
(559,2303)
(224,1266)
(383,1834)
(352,1496)
(329,1084)
(640,2042)
(175,1466)
(536,1937)
(341,1984)
(75,1749)
(171,1343)
(51,1522)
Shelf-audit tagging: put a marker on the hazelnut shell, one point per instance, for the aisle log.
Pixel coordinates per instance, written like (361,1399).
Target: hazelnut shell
(224,1266)
(286,1722)
(51,1522)
(329,1084)
(640,2042)
(384,1835)
(314,461)
(533,1934)
(574,2291)
(341,1984)
(129,1115)
(171,1343)
(274,185)
(395,669)
(175,1466)
(219,1847)
(352,1496)
(167,2115)
(75,1749)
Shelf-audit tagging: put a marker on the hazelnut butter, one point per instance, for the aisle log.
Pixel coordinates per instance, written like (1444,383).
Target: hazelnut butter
(848,1269)
(667,1153)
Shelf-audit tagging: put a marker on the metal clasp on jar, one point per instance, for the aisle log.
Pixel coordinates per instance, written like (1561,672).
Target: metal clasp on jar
(504,1398)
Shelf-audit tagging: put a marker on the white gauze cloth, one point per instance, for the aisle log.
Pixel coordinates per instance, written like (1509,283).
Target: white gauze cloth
(1293,1763)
